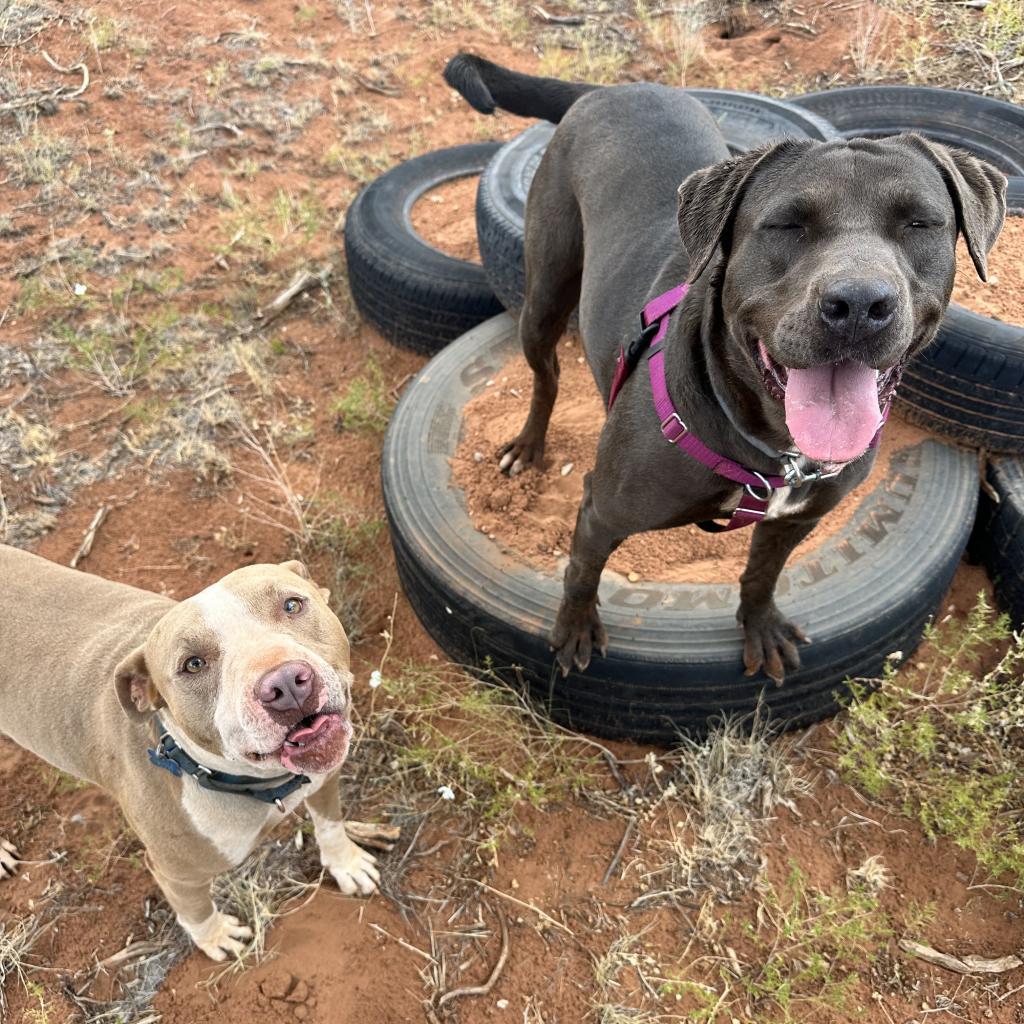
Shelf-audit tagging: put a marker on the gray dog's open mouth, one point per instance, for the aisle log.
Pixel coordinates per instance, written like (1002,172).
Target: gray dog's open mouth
(833,411)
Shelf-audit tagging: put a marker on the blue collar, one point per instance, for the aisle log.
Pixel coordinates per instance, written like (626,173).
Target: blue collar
(171,757)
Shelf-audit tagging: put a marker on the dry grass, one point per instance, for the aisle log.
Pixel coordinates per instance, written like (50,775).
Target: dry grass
(275,880)
(726,787)
(16,958)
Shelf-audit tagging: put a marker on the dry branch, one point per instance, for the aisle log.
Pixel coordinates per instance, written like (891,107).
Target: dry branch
(961,965)
(485,988)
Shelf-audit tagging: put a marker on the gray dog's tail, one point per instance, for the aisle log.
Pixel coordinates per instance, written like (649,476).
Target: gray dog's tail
(487,86)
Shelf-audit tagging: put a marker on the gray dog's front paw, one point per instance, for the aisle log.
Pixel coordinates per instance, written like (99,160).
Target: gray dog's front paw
(577,632)
(770,643)
(521,454)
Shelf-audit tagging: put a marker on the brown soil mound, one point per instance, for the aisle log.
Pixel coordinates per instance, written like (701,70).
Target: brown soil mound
(445,217)
(534,513)
(1002,296)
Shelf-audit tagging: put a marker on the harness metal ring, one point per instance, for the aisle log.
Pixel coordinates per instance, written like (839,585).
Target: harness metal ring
(768,489)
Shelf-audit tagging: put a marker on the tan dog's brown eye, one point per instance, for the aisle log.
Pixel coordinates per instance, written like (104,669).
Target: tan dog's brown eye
(194,665)
(293,606)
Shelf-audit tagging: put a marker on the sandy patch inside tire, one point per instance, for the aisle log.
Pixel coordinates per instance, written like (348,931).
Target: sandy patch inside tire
(533,514)
(445,217)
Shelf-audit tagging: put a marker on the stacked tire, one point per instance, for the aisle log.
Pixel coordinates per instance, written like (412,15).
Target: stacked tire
(674,660)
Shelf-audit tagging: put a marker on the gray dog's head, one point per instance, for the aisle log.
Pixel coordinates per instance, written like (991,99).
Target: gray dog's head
(838,263)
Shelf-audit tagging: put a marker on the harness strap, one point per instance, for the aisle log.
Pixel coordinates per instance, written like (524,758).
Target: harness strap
(757,488)
(170,756)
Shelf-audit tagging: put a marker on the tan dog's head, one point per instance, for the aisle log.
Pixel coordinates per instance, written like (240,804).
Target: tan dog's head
(253,668)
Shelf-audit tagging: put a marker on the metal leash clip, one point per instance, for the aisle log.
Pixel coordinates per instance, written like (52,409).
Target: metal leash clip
(797,477)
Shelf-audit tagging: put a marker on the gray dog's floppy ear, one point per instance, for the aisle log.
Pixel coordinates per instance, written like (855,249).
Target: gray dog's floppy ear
(135,689)
(978,191)
(708,199)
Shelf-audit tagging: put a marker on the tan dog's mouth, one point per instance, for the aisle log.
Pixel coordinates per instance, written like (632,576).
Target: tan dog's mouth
(317,743)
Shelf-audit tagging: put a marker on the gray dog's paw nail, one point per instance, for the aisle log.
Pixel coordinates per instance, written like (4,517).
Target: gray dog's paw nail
(517,468)
(506,460)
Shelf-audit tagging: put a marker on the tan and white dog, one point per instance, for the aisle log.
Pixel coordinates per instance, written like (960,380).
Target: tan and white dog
(250,677)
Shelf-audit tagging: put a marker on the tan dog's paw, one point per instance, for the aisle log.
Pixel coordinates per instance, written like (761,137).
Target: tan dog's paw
(353,868)
(8,859)
(220,935)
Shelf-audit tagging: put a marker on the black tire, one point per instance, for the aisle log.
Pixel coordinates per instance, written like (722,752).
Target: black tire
(415,295)
(989,128)
(746,121)
(674,658)
(1000,534)
(968,385)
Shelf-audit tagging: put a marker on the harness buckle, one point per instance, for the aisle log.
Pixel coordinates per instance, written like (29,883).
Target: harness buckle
(683,428)
(768,489)
(201,769)
(280,805)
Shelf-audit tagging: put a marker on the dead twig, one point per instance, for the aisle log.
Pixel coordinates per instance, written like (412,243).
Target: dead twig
(301,282)
(219,126)
(630,825)
(379,87)
(90,536)
(526,906)
(377,837)
(485,988)
(405,945)
(69,71)
(557,19)
(961,965)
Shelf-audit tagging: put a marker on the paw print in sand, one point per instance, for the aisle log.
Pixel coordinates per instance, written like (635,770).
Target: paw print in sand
(287,994)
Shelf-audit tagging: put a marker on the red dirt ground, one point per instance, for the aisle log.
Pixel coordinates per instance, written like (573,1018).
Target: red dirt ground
(154,182)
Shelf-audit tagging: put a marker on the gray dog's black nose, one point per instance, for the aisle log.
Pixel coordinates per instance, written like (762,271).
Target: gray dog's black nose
(286,687)
(858,307)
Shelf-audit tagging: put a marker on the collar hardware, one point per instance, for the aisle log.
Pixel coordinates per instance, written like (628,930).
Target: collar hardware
(170,756)
(753,506)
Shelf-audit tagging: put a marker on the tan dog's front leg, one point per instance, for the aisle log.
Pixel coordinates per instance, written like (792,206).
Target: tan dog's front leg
(353,868)
(218,935)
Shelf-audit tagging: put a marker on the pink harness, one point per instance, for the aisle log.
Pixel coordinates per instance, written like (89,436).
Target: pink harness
(757,488)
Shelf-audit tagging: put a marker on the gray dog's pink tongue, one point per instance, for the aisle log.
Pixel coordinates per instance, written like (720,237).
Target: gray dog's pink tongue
(832,411)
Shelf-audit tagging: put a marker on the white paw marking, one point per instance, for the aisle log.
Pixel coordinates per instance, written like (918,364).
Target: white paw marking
(219,936)
(356,872)
(506,460)
(517,468)
(8,859)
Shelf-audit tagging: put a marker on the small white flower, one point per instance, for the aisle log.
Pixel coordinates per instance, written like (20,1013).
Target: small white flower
(446,792)
(375,679)
(80,289)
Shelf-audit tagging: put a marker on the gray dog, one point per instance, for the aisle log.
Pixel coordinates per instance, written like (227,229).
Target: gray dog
(816,271)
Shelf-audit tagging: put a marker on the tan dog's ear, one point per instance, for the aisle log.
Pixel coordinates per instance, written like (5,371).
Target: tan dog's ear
(708,199)
(135,689)
(978,191)
(300,569)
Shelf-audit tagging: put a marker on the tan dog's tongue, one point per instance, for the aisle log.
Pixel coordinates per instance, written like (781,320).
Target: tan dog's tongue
(832,411)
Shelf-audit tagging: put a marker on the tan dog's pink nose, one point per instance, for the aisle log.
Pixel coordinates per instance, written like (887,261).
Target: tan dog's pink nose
(287,687)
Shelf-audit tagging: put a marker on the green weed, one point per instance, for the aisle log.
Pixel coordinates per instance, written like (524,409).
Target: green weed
(366,403)
(811,946)
(944,743)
